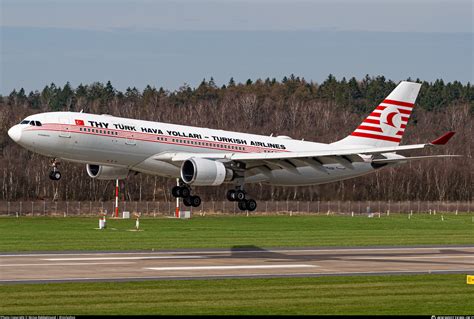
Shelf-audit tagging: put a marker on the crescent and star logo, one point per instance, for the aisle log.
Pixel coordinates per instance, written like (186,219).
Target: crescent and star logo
(390,120)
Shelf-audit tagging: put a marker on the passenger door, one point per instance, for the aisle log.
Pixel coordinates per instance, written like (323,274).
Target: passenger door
(65,129)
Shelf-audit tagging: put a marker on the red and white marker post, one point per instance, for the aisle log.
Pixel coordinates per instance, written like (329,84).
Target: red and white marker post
(176,212)
(116,198)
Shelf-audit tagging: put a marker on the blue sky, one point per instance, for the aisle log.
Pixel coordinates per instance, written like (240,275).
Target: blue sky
(169,43)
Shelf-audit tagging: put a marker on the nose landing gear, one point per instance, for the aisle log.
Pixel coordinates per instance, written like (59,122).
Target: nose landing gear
(55,174)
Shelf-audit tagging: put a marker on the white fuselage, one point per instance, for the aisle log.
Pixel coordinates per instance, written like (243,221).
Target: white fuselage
(122,142)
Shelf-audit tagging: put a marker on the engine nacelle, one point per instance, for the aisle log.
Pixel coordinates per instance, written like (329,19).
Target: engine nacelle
(205,172)
(106,172)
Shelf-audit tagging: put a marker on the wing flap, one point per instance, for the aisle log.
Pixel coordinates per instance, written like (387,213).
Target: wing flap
(404,159)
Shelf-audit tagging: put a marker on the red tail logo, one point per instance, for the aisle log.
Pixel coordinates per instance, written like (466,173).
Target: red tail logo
(387,122)
(390,117)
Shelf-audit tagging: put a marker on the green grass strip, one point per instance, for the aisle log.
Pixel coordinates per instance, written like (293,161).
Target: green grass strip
(396,295)
(54,234)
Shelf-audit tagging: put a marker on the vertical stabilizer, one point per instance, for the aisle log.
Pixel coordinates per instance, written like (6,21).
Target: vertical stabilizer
(387,122)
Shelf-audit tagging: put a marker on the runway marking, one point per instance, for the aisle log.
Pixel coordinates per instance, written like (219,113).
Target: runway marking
(414,257)
(66,264)
(234,267)
(123,258)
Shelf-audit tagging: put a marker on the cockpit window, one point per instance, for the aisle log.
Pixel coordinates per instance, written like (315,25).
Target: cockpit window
(33,123)
(24,122)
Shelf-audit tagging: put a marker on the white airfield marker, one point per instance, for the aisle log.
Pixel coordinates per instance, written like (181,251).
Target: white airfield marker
(234,267)
(123,258)
(66,264)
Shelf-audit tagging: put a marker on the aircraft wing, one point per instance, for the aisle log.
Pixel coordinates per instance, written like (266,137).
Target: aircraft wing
(266,162)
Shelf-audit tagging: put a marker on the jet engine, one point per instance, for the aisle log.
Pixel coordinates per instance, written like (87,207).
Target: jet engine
(106,172)
(205,172)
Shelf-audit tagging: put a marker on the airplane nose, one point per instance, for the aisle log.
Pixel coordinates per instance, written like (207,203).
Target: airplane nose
(15,133)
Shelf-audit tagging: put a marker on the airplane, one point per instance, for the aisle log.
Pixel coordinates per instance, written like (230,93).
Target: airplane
(114,147)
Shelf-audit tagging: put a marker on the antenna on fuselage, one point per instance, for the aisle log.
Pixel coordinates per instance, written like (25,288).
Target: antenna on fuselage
(81,110)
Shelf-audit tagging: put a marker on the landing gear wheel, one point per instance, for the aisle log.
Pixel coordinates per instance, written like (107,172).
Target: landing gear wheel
(176,191)
(195,201)
(231,195)
(239,195)
(185,192)
(187,201)
(242,205)
(55,175)
(251,205)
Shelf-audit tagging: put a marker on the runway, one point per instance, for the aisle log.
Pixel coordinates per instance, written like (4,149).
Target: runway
(238,262)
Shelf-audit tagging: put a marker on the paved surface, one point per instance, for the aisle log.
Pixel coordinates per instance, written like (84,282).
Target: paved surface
(235,263)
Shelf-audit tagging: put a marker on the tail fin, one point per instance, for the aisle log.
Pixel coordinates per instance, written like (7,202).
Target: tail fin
(386,124)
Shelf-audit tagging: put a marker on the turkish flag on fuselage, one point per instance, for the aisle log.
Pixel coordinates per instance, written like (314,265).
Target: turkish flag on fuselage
(79,122)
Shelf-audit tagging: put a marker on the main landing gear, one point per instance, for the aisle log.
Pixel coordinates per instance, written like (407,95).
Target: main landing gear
(55,174)
(240,196)
(184,192)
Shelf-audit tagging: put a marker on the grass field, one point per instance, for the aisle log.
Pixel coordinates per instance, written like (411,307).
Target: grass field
(415,294)
(49,234)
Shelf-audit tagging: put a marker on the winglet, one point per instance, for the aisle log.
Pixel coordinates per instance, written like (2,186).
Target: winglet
(443,139)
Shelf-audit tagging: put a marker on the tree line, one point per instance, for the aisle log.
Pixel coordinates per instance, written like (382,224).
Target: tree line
(323,112)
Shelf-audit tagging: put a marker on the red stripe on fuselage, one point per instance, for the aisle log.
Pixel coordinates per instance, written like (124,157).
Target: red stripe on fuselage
(152,138)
